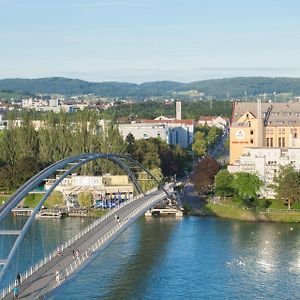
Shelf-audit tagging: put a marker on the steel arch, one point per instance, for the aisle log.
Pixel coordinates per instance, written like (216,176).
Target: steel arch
(36,180)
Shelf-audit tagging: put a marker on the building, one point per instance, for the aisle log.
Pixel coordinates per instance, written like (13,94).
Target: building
(102,187)
(145,131)
(210,121)
(263,125)
(180,132)
(174,132)
(265,162)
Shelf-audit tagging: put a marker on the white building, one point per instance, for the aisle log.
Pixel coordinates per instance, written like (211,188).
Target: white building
(266,163)
(210,121)
(174,132)
(106,186)
(144,131)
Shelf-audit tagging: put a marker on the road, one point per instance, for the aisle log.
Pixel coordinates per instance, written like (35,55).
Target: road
(219,150)
(189,195)
(191,198)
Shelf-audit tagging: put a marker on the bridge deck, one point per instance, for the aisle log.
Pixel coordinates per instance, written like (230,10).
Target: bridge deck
(38,283)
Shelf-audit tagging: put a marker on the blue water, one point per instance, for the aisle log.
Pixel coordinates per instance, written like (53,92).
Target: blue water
(192,258)
(195,258)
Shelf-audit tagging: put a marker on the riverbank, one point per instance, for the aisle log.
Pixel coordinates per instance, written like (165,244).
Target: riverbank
(250,214)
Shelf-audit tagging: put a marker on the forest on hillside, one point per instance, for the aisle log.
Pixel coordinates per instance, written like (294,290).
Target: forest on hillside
(221,89)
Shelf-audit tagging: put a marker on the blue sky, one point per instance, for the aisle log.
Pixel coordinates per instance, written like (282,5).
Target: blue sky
(139,40)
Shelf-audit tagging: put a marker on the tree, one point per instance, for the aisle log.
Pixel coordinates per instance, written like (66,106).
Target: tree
(246,185)
(130,140)
(213,135)
(204,173)
(200,145)
(223,184)
(287,185)
(146,152)
(25,168)
(7,175)
(55,199)
(146,182)
(85,199)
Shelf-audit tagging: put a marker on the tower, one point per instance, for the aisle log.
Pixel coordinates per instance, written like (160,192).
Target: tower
(178,110)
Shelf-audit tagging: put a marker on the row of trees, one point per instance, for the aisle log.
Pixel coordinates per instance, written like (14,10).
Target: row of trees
(152,109)
(155,153)
(246,186)
(241,184)
(24,151)
(205,138)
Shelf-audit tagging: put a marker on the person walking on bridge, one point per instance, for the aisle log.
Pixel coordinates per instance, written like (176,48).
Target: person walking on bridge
(16,292)
(18,278)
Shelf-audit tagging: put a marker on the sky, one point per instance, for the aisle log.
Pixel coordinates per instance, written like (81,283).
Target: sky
(149,40)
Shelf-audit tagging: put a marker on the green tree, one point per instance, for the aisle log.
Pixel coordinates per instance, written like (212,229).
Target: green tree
(55,199)
(146,152)
(246,185)
(146,182)
(287,185)
(200,145)
(85,199)
(130,140)
(223,184)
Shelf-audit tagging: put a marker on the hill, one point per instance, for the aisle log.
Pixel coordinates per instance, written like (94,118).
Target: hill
(217,88)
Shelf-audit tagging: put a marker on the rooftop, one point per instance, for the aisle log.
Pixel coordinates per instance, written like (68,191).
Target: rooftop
(280,113)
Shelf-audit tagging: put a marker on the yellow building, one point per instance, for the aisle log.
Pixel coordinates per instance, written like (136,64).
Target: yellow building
(256,124)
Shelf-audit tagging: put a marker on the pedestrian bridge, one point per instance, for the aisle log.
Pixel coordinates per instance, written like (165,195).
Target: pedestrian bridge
(44,278)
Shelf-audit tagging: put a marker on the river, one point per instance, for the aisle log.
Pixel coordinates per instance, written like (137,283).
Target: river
(191,258)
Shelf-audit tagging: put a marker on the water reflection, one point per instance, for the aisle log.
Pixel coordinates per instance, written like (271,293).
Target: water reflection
(43,237)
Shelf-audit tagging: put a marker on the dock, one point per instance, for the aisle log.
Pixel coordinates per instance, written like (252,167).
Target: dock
(20,211)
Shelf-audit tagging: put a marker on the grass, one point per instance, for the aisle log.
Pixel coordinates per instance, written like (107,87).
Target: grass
(32,200)
(3,198)
(252,214)
(97,213)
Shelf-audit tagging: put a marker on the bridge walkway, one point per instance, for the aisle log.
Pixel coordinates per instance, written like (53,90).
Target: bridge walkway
(37,285)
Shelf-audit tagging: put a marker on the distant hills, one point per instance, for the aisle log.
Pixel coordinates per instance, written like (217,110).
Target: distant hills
(217,88)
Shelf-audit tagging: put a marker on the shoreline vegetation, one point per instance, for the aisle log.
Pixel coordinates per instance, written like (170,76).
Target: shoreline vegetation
(226,211)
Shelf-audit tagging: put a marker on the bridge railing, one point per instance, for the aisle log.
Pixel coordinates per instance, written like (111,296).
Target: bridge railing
(77,263)
(63,246)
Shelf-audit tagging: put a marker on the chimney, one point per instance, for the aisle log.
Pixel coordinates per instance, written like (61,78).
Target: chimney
(178,110)
(260,140)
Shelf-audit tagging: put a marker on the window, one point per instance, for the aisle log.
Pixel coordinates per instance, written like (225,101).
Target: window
(283,131)
(279,142)
(268,142)
(271,142)
(283,142)
(267,130)
(279,130)
(251,141)
(251,132)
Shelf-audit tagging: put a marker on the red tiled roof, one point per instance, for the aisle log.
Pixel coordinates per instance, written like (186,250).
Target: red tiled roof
(187,122)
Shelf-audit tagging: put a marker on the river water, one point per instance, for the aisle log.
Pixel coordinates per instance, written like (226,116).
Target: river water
(191,258)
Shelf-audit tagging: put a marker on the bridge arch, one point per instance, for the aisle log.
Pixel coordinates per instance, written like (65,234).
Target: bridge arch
(73,163)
